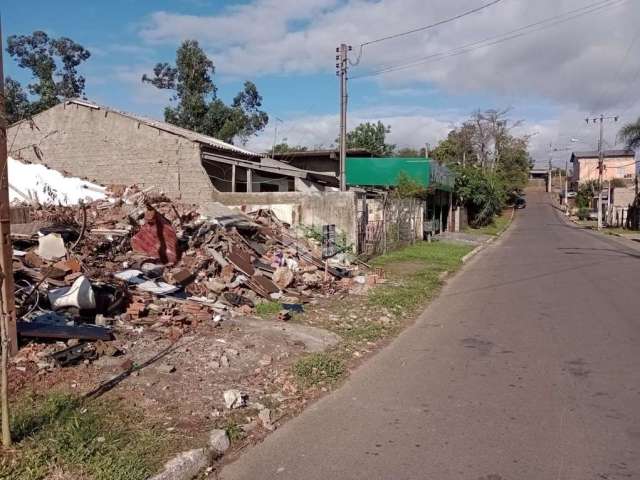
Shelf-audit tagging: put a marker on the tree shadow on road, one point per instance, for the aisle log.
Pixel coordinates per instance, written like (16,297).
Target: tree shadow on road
(611,252)
(526,279)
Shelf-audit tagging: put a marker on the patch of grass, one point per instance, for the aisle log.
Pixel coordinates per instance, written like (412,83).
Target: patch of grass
(495,228)
(97,439)
(234,431)
(318,368)
(268,309)
(369,332)
(617,231)
(416,288)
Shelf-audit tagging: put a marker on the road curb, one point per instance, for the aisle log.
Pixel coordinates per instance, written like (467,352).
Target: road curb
(472,253)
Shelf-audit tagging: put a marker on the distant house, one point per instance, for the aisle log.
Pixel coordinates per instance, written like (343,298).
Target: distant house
(107,146)
(617,164)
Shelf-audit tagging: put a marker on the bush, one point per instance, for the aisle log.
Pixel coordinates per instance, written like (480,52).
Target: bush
(586,192)
(583,213)
(484,194)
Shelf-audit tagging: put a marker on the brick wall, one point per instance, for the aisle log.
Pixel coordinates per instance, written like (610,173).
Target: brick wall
(108,148)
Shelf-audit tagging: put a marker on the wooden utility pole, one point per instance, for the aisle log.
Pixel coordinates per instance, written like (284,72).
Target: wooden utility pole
(8,335)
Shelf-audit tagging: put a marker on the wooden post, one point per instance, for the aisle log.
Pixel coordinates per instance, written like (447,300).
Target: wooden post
(8,333)
(6,250)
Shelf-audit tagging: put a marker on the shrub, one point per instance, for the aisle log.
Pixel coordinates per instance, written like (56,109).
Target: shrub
(583,213)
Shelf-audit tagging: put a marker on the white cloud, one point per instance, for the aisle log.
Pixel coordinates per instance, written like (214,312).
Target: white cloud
(575,63)
(413,129)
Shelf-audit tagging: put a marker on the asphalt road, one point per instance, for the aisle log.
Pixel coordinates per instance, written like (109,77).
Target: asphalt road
(526,367)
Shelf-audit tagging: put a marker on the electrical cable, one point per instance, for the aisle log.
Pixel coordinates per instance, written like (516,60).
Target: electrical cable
(420,29)
(497,39)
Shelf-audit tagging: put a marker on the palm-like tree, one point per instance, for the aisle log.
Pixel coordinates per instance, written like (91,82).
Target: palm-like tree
(630,133)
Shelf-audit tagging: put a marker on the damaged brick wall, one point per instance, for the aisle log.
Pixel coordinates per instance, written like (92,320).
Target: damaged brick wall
(108,148)
(307,208)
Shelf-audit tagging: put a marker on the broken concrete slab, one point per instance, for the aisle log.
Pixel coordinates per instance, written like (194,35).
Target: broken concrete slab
(219,441)
(234,398)
(282,277)
(314,339)
(185,466)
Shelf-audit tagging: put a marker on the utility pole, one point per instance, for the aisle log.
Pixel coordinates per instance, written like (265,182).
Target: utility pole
(565,199)
(549,168)
(600,119)
(8,335)
(341,71)
(275,137)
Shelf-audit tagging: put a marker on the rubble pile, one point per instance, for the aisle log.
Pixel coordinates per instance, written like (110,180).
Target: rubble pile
(137,261)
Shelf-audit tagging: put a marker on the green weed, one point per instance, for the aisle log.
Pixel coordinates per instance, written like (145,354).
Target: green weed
(234,431)
(368,332)
(319,368)
(268,309)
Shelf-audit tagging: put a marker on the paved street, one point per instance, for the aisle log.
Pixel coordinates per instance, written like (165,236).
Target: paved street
(526,367)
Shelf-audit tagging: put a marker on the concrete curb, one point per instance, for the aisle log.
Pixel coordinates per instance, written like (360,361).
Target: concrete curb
(472,253)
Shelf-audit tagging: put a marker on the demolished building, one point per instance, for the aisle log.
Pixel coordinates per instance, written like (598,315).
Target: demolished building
(111,147)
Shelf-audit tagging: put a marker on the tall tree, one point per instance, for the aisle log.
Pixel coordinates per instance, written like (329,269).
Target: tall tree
(371,137)
(53,64)
(284,147)
(457,147)
(630,134)
(17,104)
(197,106)
(491,163)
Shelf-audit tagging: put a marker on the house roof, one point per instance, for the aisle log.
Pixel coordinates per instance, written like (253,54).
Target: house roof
(167,127)
(606,154)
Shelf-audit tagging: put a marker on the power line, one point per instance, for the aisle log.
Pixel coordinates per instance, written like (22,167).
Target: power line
(426,27)
(497,39)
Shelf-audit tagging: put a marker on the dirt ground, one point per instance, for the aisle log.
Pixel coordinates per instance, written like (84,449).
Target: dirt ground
(179,383)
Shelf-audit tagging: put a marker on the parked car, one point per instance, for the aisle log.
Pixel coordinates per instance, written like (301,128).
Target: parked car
(520,202)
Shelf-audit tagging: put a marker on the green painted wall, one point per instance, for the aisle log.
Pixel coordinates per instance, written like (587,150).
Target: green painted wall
(384,172)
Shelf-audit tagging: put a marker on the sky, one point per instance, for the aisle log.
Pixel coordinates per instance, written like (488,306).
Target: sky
(553,63)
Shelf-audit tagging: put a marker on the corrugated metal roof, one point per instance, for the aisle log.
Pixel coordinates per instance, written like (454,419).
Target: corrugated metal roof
(167,127)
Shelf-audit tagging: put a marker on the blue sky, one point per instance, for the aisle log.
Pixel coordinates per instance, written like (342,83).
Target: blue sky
(550,79)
